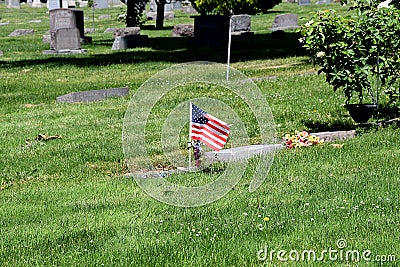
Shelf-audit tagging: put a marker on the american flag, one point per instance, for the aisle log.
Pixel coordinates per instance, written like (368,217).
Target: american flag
(208,129)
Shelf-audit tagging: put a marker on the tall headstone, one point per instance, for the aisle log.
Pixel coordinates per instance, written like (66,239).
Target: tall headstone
(65,19)
(153,6)
(13,4)
(101,3)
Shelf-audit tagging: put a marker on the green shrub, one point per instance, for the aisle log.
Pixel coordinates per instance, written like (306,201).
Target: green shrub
(236,6)
(356,52)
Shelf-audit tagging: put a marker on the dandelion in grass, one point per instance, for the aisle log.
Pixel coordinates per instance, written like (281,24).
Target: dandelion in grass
(266,219)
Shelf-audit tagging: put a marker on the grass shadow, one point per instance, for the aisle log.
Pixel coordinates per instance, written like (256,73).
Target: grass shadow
(178,50)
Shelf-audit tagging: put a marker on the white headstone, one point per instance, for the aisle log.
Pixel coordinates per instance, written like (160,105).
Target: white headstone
(101,3)
(53,4)
(13,4)
(36,3)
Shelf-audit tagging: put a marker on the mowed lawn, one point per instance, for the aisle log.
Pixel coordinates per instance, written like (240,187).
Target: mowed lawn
(69,202)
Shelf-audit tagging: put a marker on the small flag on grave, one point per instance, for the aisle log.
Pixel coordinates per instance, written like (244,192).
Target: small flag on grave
(208,129)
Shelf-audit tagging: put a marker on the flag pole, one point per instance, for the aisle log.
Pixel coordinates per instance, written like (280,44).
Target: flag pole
(229,47)
(190,136)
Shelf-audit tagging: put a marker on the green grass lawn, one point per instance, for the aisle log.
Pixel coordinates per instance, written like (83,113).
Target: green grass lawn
(68,202)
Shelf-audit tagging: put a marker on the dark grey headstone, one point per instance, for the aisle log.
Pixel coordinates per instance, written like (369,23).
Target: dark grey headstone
(21,32)
(101,3)
(285,22)
(67,39)
(183,30)
(241,23)
(94,95)
(63,18)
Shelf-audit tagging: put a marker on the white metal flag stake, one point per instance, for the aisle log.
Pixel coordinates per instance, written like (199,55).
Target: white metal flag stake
(229,46)
(190,136)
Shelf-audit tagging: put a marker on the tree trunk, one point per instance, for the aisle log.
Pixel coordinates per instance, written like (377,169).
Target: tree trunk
(130,13)
(160,14)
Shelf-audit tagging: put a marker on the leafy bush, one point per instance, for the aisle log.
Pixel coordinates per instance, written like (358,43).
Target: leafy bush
(237,6)
(357,52)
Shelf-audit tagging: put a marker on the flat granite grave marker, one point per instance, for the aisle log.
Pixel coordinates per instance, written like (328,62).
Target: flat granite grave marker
(93,95)
(21,32)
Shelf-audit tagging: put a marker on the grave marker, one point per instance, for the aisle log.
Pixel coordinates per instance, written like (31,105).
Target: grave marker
(54,4)
(101,3)
(304,2)
(93,95)
(21,32)
(13,4)
(285,22)
(67,39)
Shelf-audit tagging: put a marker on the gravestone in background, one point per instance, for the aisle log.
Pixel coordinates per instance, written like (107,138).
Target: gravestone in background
(53,4)
(65,19)
(67,39)
(183,30)
(101,3)
(21,32)
(189,9)
(285,22)
(324,1)
(13,4)
(93,95)
(304,2)
(36,3)
(241,23)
